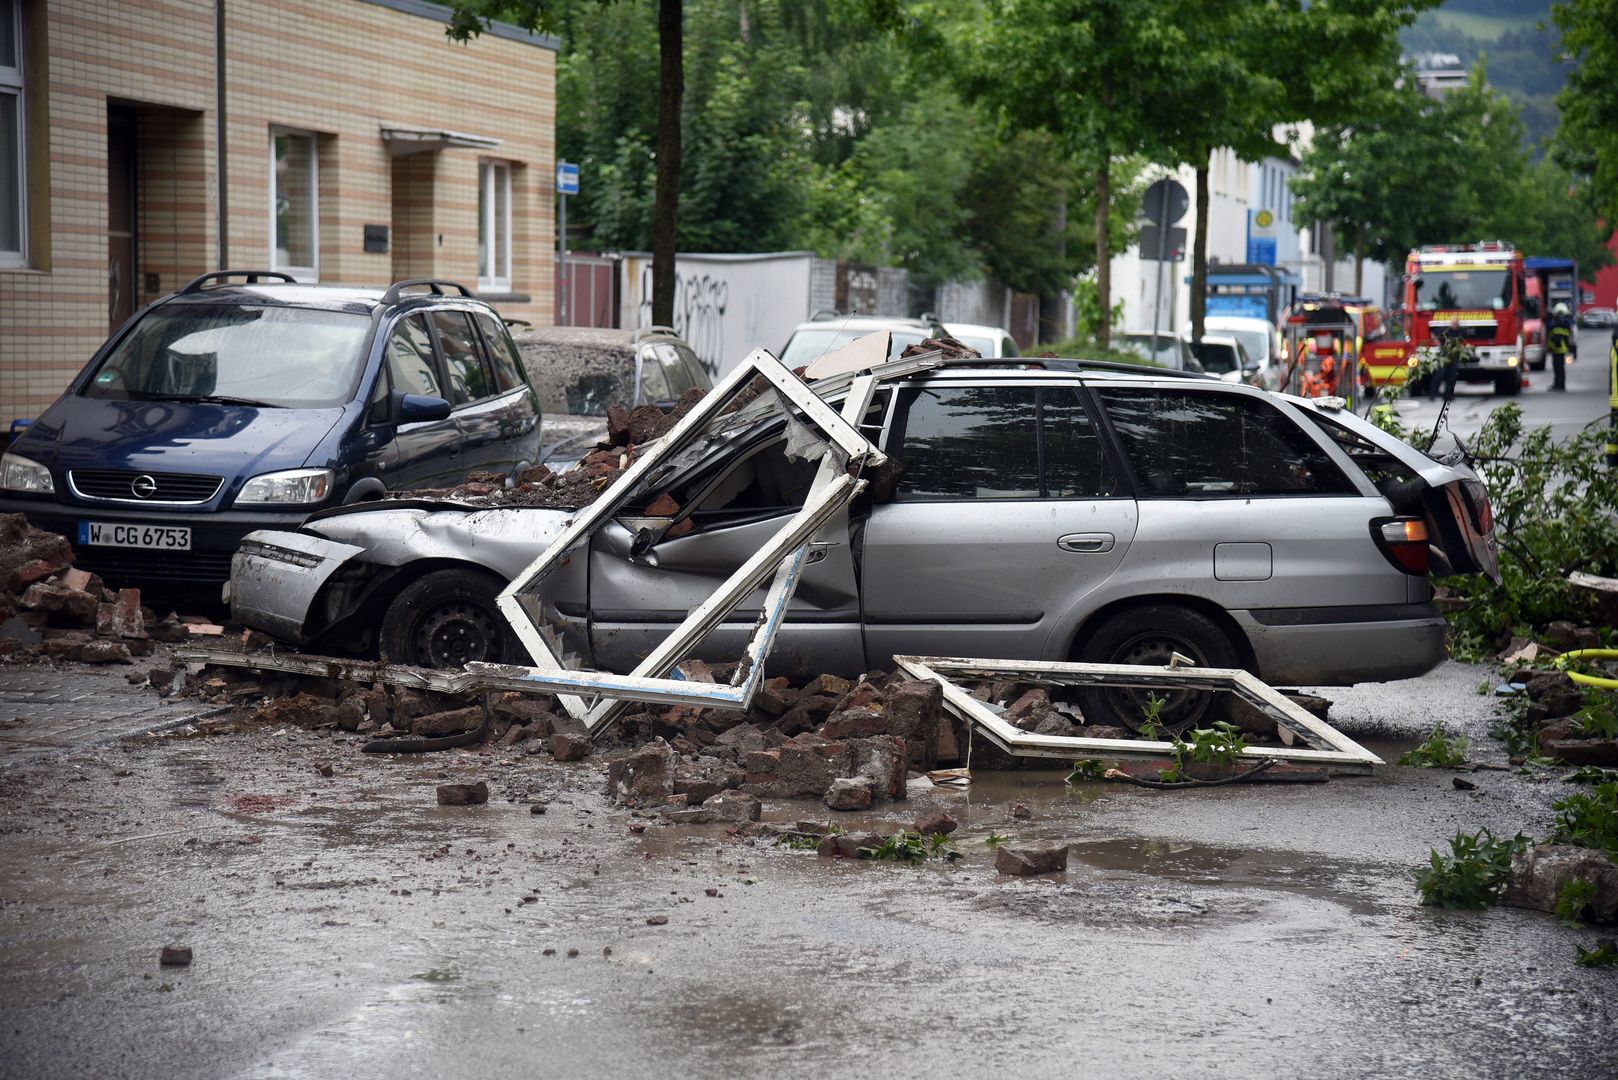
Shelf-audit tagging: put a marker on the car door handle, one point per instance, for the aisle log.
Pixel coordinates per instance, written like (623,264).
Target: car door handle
(1087,543)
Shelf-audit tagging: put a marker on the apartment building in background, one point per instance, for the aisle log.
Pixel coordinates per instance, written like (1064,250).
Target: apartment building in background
(144,142)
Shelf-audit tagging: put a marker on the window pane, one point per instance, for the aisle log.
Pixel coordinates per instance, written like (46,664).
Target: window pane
(969,443)
(674,370)
(501,267)
(294,200)
(469,379)
(8,33)
(654,385)
(507,369)
(10,172)
(484,269)
(1075,465)
(410,359)
(1185,443)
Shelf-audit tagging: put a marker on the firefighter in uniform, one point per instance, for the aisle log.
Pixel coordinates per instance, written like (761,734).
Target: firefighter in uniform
(1452,351)
(1559,342)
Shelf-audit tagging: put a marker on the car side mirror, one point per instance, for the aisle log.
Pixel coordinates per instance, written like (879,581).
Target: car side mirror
(421,408)
(1250,368)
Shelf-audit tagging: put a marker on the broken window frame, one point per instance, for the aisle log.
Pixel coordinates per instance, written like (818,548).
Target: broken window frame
(1342,753)
(784,555)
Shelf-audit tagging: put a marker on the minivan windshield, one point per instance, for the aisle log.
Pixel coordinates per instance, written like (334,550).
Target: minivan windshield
(281,357)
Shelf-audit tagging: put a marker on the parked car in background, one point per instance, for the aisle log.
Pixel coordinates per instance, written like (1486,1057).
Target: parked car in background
(1225,357)
(1164,350)
(1235,526)
(231,406)
(829,331)
(991,342)
(1598,317)
(1258,337)
(579,371)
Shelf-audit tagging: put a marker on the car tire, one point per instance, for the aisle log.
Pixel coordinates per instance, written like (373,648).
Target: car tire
(1149,634)
(1508,385)
(447,619)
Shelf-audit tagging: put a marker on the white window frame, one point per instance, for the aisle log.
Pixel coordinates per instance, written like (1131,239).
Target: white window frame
(11,85)
(494,267)
(302,273)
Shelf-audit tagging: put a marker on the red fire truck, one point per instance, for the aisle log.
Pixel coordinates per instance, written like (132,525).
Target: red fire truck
(1481,286)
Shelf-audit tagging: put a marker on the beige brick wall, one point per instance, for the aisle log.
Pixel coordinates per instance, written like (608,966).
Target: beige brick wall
(339,68)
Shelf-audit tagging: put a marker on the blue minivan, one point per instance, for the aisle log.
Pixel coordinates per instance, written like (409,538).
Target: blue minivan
(248,401)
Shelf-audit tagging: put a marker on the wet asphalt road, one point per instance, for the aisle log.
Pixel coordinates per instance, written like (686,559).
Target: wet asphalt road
(347,925)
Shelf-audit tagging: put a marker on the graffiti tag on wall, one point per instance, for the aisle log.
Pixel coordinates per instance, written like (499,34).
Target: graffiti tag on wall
(699,313)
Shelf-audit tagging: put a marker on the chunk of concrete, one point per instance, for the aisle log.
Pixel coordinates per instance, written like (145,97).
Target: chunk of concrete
(1027,860)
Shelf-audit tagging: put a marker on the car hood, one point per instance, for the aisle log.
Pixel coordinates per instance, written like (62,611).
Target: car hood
(502,539)
(174,436)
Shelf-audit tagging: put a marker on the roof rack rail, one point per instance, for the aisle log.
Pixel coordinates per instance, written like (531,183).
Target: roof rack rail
(824,314)
(435,285)
(197,284)
(655,328)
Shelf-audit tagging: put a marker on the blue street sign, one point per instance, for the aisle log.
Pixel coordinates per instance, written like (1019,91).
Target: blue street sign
(567,178)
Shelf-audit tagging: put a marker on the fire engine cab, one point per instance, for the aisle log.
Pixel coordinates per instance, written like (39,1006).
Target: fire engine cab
(1481,286)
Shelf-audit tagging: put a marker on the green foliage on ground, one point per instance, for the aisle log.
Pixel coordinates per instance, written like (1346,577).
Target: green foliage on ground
(1474,873)
(1438,751)
(1555,511)
(1605,954)
(1597,718)
(1086,770)
(1589,819)
(1574,900)
(912,847)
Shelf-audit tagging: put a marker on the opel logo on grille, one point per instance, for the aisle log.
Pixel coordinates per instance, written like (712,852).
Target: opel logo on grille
(143,486)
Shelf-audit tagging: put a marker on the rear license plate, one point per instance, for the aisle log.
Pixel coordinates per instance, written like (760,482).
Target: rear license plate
(112,534)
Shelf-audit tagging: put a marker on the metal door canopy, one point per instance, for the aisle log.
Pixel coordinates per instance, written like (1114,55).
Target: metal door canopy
(1326,745)
(845,450)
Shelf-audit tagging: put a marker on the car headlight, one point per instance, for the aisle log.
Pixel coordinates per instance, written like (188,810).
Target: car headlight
(18,473)
(283,488)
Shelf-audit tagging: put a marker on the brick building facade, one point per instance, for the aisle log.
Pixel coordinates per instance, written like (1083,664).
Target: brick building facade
(360,146)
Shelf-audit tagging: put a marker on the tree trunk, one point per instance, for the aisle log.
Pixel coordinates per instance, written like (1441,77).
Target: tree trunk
(666,204)
(1103,259)
(1052,311)
(1199,255)
(1103,228)
(1359,261)
(1328,256)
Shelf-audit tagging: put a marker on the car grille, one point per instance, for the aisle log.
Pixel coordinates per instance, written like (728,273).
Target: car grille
(148,568)
(120,484)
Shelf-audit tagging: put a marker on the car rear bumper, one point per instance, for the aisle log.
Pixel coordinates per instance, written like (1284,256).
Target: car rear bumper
(214,539)
(1343,646)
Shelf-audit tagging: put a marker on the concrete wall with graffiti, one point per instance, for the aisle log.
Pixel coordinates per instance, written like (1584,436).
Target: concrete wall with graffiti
(724,305)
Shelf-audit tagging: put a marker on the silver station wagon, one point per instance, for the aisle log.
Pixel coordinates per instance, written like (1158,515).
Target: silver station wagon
(1036,510)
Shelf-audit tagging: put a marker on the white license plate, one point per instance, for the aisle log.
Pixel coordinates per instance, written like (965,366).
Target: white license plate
(112,534)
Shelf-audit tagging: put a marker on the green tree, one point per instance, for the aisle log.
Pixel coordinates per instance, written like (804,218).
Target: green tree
(1086,73)
(1587,140)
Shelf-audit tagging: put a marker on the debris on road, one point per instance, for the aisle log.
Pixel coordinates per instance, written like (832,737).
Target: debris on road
(1027,860)
(463,794)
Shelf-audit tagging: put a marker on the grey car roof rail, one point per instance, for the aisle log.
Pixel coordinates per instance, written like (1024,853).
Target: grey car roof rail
(435,285)
(825,313)
(655,328)
(201,281)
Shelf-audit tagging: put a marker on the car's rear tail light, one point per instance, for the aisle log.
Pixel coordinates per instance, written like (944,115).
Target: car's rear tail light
(1404,542)
(1482,512)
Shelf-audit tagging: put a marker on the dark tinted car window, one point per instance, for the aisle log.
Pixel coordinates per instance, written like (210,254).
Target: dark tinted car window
(968,443)
(410,359)
(502,353)
(1075,464)
(1190,443)
(469,378)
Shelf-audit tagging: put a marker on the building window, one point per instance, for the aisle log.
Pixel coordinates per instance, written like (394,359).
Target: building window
(295,205)
(494,226)
(13,176)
